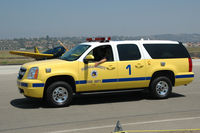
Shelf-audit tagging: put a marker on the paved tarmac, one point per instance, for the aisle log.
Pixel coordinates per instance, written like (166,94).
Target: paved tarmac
(98,113)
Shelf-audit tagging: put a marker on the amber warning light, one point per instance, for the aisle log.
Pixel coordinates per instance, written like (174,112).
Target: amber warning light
(99,39)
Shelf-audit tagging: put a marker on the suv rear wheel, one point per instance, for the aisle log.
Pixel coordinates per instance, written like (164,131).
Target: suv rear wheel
(161,87)
(59,94)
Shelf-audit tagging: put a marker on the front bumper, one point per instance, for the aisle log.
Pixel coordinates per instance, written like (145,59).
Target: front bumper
(31,88)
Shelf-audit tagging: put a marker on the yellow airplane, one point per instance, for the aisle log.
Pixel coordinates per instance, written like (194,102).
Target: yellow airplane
(49,54)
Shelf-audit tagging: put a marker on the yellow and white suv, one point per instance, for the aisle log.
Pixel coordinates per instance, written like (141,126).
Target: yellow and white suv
(157,65)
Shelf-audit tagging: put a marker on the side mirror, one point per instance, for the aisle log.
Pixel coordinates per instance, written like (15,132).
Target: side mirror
(88,58)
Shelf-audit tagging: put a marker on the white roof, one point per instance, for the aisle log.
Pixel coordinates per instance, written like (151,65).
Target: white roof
(133,42)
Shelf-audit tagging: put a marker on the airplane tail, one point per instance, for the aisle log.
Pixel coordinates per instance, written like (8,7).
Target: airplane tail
(36,50)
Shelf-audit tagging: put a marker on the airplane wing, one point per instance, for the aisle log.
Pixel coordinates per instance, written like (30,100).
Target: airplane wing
(37,56)
(49,54)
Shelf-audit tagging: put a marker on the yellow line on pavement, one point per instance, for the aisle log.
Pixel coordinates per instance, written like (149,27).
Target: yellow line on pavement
(140,131)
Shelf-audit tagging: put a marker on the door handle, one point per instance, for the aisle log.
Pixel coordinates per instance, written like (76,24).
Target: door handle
(110,67)
(139,65)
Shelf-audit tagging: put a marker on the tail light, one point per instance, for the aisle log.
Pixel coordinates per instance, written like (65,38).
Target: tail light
(190,64)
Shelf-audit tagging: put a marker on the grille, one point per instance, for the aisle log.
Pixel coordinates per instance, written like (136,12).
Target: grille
(21,73)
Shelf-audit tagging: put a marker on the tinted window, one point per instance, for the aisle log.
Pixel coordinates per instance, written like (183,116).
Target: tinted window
(128,52)
(160,51)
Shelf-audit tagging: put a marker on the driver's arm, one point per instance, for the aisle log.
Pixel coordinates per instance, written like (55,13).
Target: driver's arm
(100,62)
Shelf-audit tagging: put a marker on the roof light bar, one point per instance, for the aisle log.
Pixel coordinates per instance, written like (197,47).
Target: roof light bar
(89,39)
(99,39)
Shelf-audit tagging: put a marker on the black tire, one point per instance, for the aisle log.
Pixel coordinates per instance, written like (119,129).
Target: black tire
(161,87)
(59,94)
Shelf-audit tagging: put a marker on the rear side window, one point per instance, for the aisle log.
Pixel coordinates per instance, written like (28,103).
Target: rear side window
(128,52)
(161,51)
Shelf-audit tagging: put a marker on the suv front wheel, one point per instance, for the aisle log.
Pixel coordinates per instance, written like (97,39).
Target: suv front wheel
(59,94)
(161,87)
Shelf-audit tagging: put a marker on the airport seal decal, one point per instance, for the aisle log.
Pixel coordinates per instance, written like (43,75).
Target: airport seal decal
(94,73)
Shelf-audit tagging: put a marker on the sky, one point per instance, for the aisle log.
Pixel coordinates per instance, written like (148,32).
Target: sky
(67,18)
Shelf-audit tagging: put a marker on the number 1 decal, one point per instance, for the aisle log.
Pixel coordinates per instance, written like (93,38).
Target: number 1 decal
(129,67)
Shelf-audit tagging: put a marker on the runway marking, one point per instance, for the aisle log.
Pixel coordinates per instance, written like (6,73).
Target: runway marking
(126,124)
(152,131)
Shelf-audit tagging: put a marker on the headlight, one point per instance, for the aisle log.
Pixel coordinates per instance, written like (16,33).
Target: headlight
(33,73)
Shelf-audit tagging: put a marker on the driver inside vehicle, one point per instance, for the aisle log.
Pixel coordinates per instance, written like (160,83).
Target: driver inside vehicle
(102,54)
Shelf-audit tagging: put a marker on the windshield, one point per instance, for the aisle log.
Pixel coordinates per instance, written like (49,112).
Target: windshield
(75,53)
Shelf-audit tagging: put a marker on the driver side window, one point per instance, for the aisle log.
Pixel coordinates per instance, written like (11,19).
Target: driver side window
(102,52)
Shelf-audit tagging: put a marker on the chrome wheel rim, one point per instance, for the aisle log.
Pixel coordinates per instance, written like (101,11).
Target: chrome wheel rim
(162,88)
(60,95)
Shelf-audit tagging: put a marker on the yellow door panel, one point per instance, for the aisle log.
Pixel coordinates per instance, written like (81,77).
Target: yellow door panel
(96,78)
(132,74)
